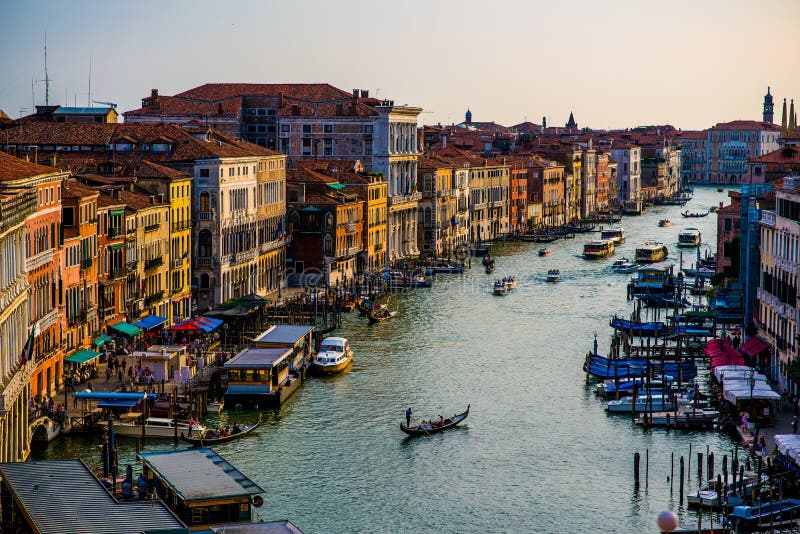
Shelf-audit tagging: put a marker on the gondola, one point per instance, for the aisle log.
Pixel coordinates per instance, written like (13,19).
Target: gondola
(435,427)
(381,314)
(490,268)
(695,215)
(213,441)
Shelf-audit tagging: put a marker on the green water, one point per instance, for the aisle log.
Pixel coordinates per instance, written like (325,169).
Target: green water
(538,452)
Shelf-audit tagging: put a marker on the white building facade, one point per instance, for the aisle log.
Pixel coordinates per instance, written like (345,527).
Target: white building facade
(629,178)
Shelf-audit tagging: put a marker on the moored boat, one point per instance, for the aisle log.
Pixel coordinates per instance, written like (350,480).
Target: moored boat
(211,437)
(652,328)
(702,272)
(334,356)
(653,403)
(156,427)
(708,495)
(689,237)
(750,518)
(553,275)
(598,249)
(426,428)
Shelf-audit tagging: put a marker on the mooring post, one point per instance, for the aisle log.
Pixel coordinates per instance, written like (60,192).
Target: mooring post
(636,469)
(680,492)
(700,468)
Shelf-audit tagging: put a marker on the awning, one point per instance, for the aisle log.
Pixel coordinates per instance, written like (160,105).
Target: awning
(185,326)
(213,322)
(120,403)
(151,321)
(753,346)
(118,246)
(102,340)
(117,212)
(126,328)
(83,356)
(237,389)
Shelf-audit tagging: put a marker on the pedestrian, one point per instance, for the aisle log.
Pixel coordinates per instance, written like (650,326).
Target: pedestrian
(89,386)
(75,402)
(119,374)
(108,373)
(408,416)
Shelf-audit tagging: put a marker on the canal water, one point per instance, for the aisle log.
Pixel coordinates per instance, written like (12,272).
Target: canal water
(537,454)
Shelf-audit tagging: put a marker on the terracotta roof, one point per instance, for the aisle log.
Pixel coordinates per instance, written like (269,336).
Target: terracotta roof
(304,174)
(76,190)
(746,125)
(148,169)
(432,163)
(135,201)
(313,197)
(730,208)
(12,168)
(692,134)
(787,154)
(107,200)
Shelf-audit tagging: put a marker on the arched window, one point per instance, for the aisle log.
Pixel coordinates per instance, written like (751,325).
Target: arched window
(328,245)
(204,284)
(204,247)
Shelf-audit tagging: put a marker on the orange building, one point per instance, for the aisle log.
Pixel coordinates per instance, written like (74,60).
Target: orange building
(79,274)
(42,249)
(112,271)
(518,199)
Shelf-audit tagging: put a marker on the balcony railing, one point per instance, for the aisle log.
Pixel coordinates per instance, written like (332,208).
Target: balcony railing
(152,264)
(400,199)
(177,263)
(351,251)
(180,226)
(378,247)
(351,227)
(39,260)
(204,262)
(151,227)
(204,215)
(86,263)
(115,232)
(155,297)
(271,245)
(117,273)
(768,218)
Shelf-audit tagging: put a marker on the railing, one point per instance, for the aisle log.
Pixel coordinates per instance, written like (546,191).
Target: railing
(351,227)
(46,355)
(151,227)
(378,247)
(155,297)
(39,260)
(271,245)
(15,207)
(47,320)
(179,226)
(350,251)
(13,388)
(117,272)
(177,263)
(204,262)
(115,232)
(242,257)
(204,215)
(152,264)
(768,218)
(86,263)
(400,199)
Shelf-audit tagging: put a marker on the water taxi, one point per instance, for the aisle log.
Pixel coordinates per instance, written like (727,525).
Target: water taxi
(156,427)
(651,252)
(598,249)
(663,223)
(553,275)
(500,287)
(511,282)
(690,237)
(624,265)
(617,235)
(334,356)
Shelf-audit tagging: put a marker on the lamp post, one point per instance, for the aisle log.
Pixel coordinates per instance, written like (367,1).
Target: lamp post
(224,335)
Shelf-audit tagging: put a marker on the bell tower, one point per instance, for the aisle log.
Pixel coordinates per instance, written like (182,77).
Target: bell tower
(768,107)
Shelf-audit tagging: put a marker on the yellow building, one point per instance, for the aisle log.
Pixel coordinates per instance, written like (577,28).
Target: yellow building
(438,207)
(148,256)
(373,191)
(174,187)
(271,222)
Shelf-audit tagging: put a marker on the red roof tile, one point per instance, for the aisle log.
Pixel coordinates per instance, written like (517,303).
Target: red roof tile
(12,168)
(746,125)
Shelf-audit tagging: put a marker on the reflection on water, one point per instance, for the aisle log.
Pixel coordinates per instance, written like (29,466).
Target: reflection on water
(538,452)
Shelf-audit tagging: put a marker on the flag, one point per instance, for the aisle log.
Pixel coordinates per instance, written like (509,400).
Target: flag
(27,350)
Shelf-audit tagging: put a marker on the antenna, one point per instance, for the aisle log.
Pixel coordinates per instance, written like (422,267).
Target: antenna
(46,77)
(109,104)
(89,96)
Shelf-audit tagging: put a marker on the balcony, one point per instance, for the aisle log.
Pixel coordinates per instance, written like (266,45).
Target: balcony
(204,262)
(378,247)
(402,199)
(768,218)
(15,385)
(351,227)
(205,216)
(151,227)
(243,257)
(152,264)
(180,226)
(47,320)
(155,297)
(115,232)
(177,263)
(116,273)
(46,354)
(39,260)
(271,245)
(351,251)
(86,263)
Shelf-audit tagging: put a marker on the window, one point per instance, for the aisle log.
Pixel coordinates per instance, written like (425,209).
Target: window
(328,128)
(307,146)
(368,128)
(204,173)
(286,128)
(306,128)
(327,147)
(204,201)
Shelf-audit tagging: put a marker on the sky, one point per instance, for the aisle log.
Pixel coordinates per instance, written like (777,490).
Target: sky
(615,64)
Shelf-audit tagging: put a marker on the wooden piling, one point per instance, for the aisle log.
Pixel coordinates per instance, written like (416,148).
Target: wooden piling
(646,468)
(671,471)
(680,492)
(636,469)
(710,466)
(699,468)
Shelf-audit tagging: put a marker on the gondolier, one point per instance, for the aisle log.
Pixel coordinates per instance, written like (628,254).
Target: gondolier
(408,416)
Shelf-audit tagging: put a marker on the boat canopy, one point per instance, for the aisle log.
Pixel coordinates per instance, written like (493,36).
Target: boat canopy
(788,445)
(734,391)
(121,403)
(115,395)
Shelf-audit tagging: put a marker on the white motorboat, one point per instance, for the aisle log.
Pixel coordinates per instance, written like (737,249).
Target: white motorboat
(156,427)
(708,496)
(511,282)
(334,356)
(553,275)
(624,265)
(660,403)
(500,287)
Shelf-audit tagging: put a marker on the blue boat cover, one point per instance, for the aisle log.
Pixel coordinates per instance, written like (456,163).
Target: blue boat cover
(110,403)
(237,389)
(626,368)
(151,321)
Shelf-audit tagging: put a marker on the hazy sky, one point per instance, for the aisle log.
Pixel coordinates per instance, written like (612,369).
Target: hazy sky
(615,64)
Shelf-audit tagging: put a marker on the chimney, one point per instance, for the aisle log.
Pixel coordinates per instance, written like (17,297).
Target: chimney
(152,200)
(117,194)
(280,99)
(295,109)
(219,109)
(34,153)
(161,198)
(53,160)
(356,94)
(364,93)
(154,94)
